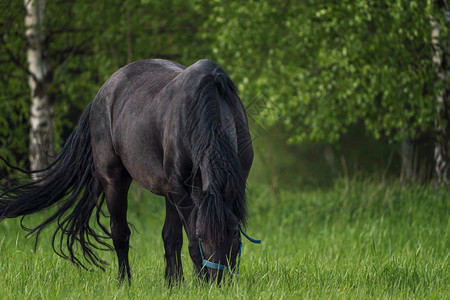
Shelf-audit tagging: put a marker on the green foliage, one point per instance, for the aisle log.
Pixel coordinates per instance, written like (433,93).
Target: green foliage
(325,65)
(357,240)
(14,91)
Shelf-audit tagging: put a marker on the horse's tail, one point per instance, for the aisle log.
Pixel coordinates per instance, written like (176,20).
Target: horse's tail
(70,185)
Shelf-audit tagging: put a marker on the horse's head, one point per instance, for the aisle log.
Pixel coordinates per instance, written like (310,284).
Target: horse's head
(221,255)
(216,242)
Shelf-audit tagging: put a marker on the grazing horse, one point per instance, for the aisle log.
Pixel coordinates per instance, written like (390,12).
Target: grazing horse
(179,132)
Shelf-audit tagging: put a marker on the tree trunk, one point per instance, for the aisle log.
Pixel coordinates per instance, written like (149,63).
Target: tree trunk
(41,115)
(408,171)
(442,122)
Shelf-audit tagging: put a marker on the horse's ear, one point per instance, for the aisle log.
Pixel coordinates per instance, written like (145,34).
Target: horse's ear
(230,192)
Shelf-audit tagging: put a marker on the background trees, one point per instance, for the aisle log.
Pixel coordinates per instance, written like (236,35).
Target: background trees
(328,65)
(318,69)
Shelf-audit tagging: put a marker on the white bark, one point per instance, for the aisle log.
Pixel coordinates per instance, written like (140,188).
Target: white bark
(442,143)
(41,115)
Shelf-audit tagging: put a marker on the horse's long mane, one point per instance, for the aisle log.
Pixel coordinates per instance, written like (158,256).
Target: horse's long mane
(212,144)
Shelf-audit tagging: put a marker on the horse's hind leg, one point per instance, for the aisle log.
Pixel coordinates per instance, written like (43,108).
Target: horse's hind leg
(116,182)
(116,200)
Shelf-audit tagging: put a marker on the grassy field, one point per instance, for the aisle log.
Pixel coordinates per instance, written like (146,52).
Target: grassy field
(359,239)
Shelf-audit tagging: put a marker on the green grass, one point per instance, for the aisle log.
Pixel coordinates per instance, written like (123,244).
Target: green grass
(356,240)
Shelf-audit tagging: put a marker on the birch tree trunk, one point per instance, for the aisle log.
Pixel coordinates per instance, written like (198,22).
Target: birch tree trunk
(442,122)
(41,115)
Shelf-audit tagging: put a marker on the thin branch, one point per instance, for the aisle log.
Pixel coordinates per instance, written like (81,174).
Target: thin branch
(71,51)
(14,59)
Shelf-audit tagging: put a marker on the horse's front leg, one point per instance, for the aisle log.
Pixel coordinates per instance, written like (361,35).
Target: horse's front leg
(172,235)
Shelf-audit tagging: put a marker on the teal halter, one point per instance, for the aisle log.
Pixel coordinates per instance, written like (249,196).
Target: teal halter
(220,267)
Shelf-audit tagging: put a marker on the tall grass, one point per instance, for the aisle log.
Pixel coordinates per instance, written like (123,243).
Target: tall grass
(360,239)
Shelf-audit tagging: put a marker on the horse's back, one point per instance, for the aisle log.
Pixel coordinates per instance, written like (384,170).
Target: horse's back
(121,98)
(128,83)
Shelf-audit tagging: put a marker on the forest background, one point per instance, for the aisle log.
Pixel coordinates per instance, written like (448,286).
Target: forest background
(331,88)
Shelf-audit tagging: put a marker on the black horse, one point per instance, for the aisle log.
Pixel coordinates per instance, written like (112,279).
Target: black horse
(179,132)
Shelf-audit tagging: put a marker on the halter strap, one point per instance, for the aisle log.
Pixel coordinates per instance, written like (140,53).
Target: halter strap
(248,237)
(216,266)
(220,267)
